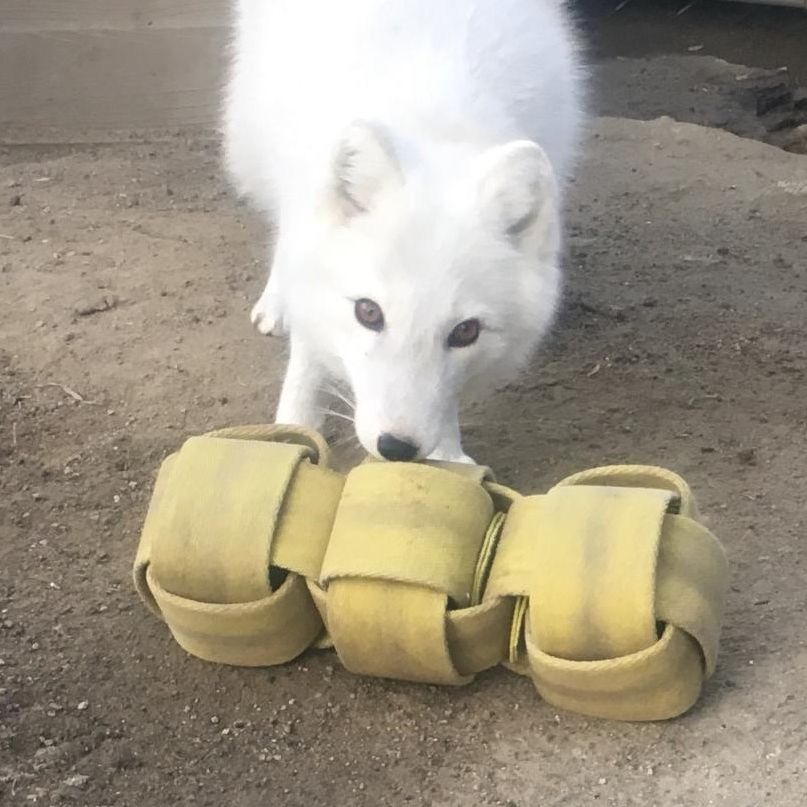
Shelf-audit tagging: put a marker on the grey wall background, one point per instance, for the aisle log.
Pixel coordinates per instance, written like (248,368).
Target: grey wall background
(90,69)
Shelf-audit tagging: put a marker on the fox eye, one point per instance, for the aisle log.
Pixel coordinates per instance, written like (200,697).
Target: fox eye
(464,334)
(369,314)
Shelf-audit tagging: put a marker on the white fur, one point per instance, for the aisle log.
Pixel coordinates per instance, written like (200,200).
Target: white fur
(395,144)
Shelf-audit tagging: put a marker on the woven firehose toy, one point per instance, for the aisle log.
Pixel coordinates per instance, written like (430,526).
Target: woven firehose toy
(607,591)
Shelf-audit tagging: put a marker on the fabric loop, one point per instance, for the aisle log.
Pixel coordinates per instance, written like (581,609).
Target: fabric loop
(268,631)
(409,523)
(599,570)
(592,591)
(314,443)
(638,476)
(692,583)
(657,683)
(206,552)
(405,547)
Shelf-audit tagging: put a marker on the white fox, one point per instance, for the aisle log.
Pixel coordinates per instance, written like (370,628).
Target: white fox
(411,155)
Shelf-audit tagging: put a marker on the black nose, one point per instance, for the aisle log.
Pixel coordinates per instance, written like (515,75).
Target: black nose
(395,449)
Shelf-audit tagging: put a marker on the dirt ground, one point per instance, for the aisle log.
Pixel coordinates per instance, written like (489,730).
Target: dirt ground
(126,275)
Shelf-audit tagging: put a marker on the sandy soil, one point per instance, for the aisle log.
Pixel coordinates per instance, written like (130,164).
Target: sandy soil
(126,274)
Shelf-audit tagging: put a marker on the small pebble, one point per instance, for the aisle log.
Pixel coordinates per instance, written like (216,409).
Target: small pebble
(77,780)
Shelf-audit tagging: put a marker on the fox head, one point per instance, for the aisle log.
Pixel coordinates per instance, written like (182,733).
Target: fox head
(422,273)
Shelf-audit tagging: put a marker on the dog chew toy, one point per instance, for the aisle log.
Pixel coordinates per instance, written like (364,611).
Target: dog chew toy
(607,591)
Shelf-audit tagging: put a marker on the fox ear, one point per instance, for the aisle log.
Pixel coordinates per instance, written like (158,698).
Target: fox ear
(364,168)
(519,195)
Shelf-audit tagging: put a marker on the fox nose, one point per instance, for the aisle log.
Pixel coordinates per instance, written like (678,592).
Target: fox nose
(395,449)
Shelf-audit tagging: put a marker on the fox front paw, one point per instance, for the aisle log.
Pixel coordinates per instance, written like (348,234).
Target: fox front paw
(266,316)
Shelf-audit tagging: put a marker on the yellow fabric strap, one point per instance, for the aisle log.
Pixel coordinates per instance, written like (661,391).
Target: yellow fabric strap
(478,473)
(404,548)
(306,520)
(602,567)
(316,448)
(271,630)
(517,552)
(391,630)
(658,683)
(692,572)
(223,505)
(692,582)
(478,636)
(208,545)
(591,594)
(151,533)
(410,524)
(475,638)
(638,476)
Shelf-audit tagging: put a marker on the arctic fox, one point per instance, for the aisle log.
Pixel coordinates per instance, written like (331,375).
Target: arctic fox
(411,156)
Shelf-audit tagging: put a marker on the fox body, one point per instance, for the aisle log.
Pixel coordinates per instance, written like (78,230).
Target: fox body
(411,156)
